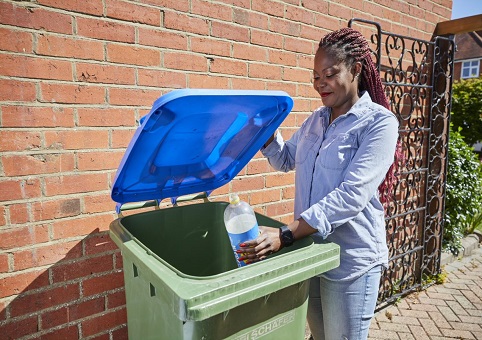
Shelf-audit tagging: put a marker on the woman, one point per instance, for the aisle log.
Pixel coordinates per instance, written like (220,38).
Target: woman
(342,154)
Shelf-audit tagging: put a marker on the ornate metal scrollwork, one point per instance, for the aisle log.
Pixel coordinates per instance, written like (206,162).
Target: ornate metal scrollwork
(417,75)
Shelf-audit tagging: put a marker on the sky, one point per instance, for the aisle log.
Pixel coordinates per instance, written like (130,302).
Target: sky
(466,8)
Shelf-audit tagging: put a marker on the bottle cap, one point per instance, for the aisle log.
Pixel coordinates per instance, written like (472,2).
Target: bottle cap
(233,199)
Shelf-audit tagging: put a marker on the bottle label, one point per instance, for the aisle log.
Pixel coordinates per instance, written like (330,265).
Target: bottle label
(237,239)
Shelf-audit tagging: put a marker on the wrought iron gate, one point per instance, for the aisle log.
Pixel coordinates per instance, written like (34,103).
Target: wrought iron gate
(417,75)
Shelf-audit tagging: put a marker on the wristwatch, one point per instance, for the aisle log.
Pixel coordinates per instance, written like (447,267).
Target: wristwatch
(286,236)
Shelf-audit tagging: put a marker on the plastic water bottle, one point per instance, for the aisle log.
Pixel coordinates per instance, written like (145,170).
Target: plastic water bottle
(241,224)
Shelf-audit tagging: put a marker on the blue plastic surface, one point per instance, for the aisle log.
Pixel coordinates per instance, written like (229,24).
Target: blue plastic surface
(196,141)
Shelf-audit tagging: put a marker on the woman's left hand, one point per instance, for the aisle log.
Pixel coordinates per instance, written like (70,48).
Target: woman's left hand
(267,243)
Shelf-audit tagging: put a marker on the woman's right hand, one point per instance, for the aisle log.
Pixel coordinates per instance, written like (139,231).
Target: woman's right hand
(267,243)
(269,240)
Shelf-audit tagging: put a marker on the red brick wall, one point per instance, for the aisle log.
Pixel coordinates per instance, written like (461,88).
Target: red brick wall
(74,78)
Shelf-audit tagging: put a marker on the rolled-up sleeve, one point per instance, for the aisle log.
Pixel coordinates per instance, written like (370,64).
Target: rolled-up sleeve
(280,154)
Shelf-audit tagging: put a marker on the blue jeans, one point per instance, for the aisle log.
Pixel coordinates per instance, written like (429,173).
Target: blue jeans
(343,309)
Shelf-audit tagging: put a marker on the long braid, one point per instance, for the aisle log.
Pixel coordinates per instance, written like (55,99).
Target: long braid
(350,46)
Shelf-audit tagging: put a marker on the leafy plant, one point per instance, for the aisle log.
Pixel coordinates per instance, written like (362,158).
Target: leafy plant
(439,278)
(474,223)
(467,109)
(463,191)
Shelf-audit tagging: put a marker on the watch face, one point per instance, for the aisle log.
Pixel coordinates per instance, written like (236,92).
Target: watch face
(287,237)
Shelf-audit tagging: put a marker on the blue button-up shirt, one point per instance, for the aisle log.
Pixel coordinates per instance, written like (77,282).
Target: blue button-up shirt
(338,170)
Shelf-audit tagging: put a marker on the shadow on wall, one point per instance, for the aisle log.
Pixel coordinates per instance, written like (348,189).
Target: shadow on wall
(77,297)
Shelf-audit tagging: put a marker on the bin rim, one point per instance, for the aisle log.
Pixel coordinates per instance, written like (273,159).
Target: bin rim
(127,236)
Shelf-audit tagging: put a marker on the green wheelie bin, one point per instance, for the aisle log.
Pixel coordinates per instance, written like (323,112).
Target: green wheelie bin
(181,276)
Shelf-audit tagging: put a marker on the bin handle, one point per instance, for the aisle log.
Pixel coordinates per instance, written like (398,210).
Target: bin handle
(119,207)
(203,195)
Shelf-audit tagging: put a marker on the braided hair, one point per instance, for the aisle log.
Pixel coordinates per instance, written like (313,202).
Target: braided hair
(350,46)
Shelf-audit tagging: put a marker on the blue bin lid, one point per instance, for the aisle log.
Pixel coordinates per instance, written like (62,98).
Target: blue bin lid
(196,140)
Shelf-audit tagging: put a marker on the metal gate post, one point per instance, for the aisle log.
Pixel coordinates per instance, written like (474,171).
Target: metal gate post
(437,154)
(418,81)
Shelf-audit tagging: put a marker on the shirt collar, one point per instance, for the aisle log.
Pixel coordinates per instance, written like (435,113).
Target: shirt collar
(361,104)
(358,109)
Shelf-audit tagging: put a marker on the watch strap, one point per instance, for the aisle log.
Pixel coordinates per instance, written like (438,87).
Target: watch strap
(286,236)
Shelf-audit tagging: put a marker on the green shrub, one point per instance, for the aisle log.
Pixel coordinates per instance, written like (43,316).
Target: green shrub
(463,192)
(475,223)
(467,109)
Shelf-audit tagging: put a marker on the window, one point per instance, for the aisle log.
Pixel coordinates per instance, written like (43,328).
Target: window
(470,69)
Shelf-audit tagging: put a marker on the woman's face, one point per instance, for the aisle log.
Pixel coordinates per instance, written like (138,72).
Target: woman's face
(335,82)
